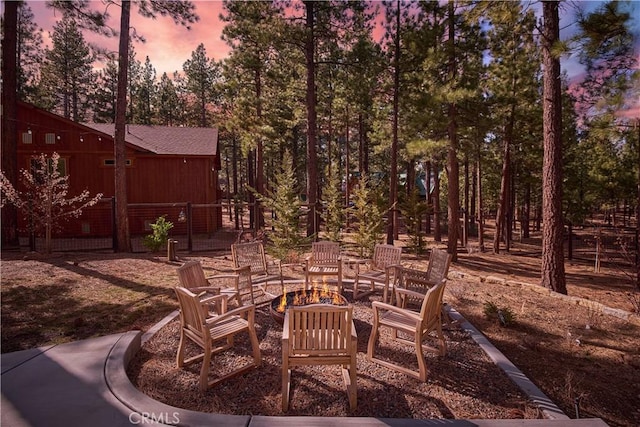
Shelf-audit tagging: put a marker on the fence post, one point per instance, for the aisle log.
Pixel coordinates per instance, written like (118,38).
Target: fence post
(171,250)
(189,228)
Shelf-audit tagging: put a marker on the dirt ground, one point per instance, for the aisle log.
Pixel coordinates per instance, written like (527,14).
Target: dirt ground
(587,361)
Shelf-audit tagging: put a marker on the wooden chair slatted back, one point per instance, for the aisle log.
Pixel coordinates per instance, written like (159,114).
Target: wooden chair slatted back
(431,310)
(191,275)
(325,252)
(192,314)
(320,330)
(385,255)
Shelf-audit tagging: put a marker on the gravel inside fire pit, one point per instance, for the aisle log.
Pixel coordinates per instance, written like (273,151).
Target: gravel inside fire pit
(463,384)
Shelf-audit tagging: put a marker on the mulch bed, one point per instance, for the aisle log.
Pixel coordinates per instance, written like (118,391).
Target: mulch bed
(463,384)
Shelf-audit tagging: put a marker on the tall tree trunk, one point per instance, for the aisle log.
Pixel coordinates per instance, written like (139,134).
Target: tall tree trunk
(437,231)
(452,154)
(638,215)
(312,156)
(259,212)
(251,181)
(473,213)
(526,212)
(347,188)
(502,230)
(465,214)
(392,226)
(427,184)
(10,118)
(122,214)
(361,146)
(480,213)
(553,276)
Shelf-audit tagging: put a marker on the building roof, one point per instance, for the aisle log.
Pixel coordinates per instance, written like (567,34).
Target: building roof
(169,140)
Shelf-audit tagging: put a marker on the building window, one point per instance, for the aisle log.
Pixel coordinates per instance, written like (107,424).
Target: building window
(86,228)
(62,165)
(112,162)
(27,138)
(50,138)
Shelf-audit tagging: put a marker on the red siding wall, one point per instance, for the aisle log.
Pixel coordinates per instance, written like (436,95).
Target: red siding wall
(151,178)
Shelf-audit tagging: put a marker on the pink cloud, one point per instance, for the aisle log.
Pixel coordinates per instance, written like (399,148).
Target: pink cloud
(168,45)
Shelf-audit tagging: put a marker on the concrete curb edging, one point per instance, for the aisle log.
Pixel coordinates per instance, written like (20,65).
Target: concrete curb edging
(158,413)
(130,343)
(549,409)
(115,373)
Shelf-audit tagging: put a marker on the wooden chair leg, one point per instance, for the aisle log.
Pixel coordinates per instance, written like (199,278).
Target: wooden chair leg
(181,349)
(422,366)
(204,371)
(255,345)
(286,384)
(441,341)
(353,389)
(372,339)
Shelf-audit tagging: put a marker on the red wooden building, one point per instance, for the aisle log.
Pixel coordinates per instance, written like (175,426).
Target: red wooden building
(165,165)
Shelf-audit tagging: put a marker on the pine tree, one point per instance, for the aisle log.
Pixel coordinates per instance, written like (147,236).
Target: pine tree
(146,93)
(68,70)
(552,266)
(202,73)
(286,207)
(513,85)
(369,218)
(106,93)
(167,101)
(30,53)
(413,209)
(333,212)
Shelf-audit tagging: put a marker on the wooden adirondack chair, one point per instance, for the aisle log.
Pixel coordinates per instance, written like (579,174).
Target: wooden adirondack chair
(324,261)
(319,334)
(206,330)
(379,271)
(416,324)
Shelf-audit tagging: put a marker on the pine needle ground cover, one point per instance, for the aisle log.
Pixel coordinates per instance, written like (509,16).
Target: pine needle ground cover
(583,359)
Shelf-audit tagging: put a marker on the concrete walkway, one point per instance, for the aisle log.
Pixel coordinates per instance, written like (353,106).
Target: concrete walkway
(84,383)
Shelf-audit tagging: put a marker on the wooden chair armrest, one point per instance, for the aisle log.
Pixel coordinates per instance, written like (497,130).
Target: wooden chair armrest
(285,328)
(201,290)
(223,276)
(239,270)
(409,293)
(392,267)
(210,299)
(240,311)
(378,305)
(224,270)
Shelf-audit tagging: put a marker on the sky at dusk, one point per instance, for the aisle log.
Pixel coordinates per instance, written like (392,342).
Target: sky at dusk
(169,45)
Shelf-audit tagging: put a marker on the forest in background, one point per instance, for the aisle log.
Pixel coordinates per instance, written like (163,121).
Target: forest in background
(452,92)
